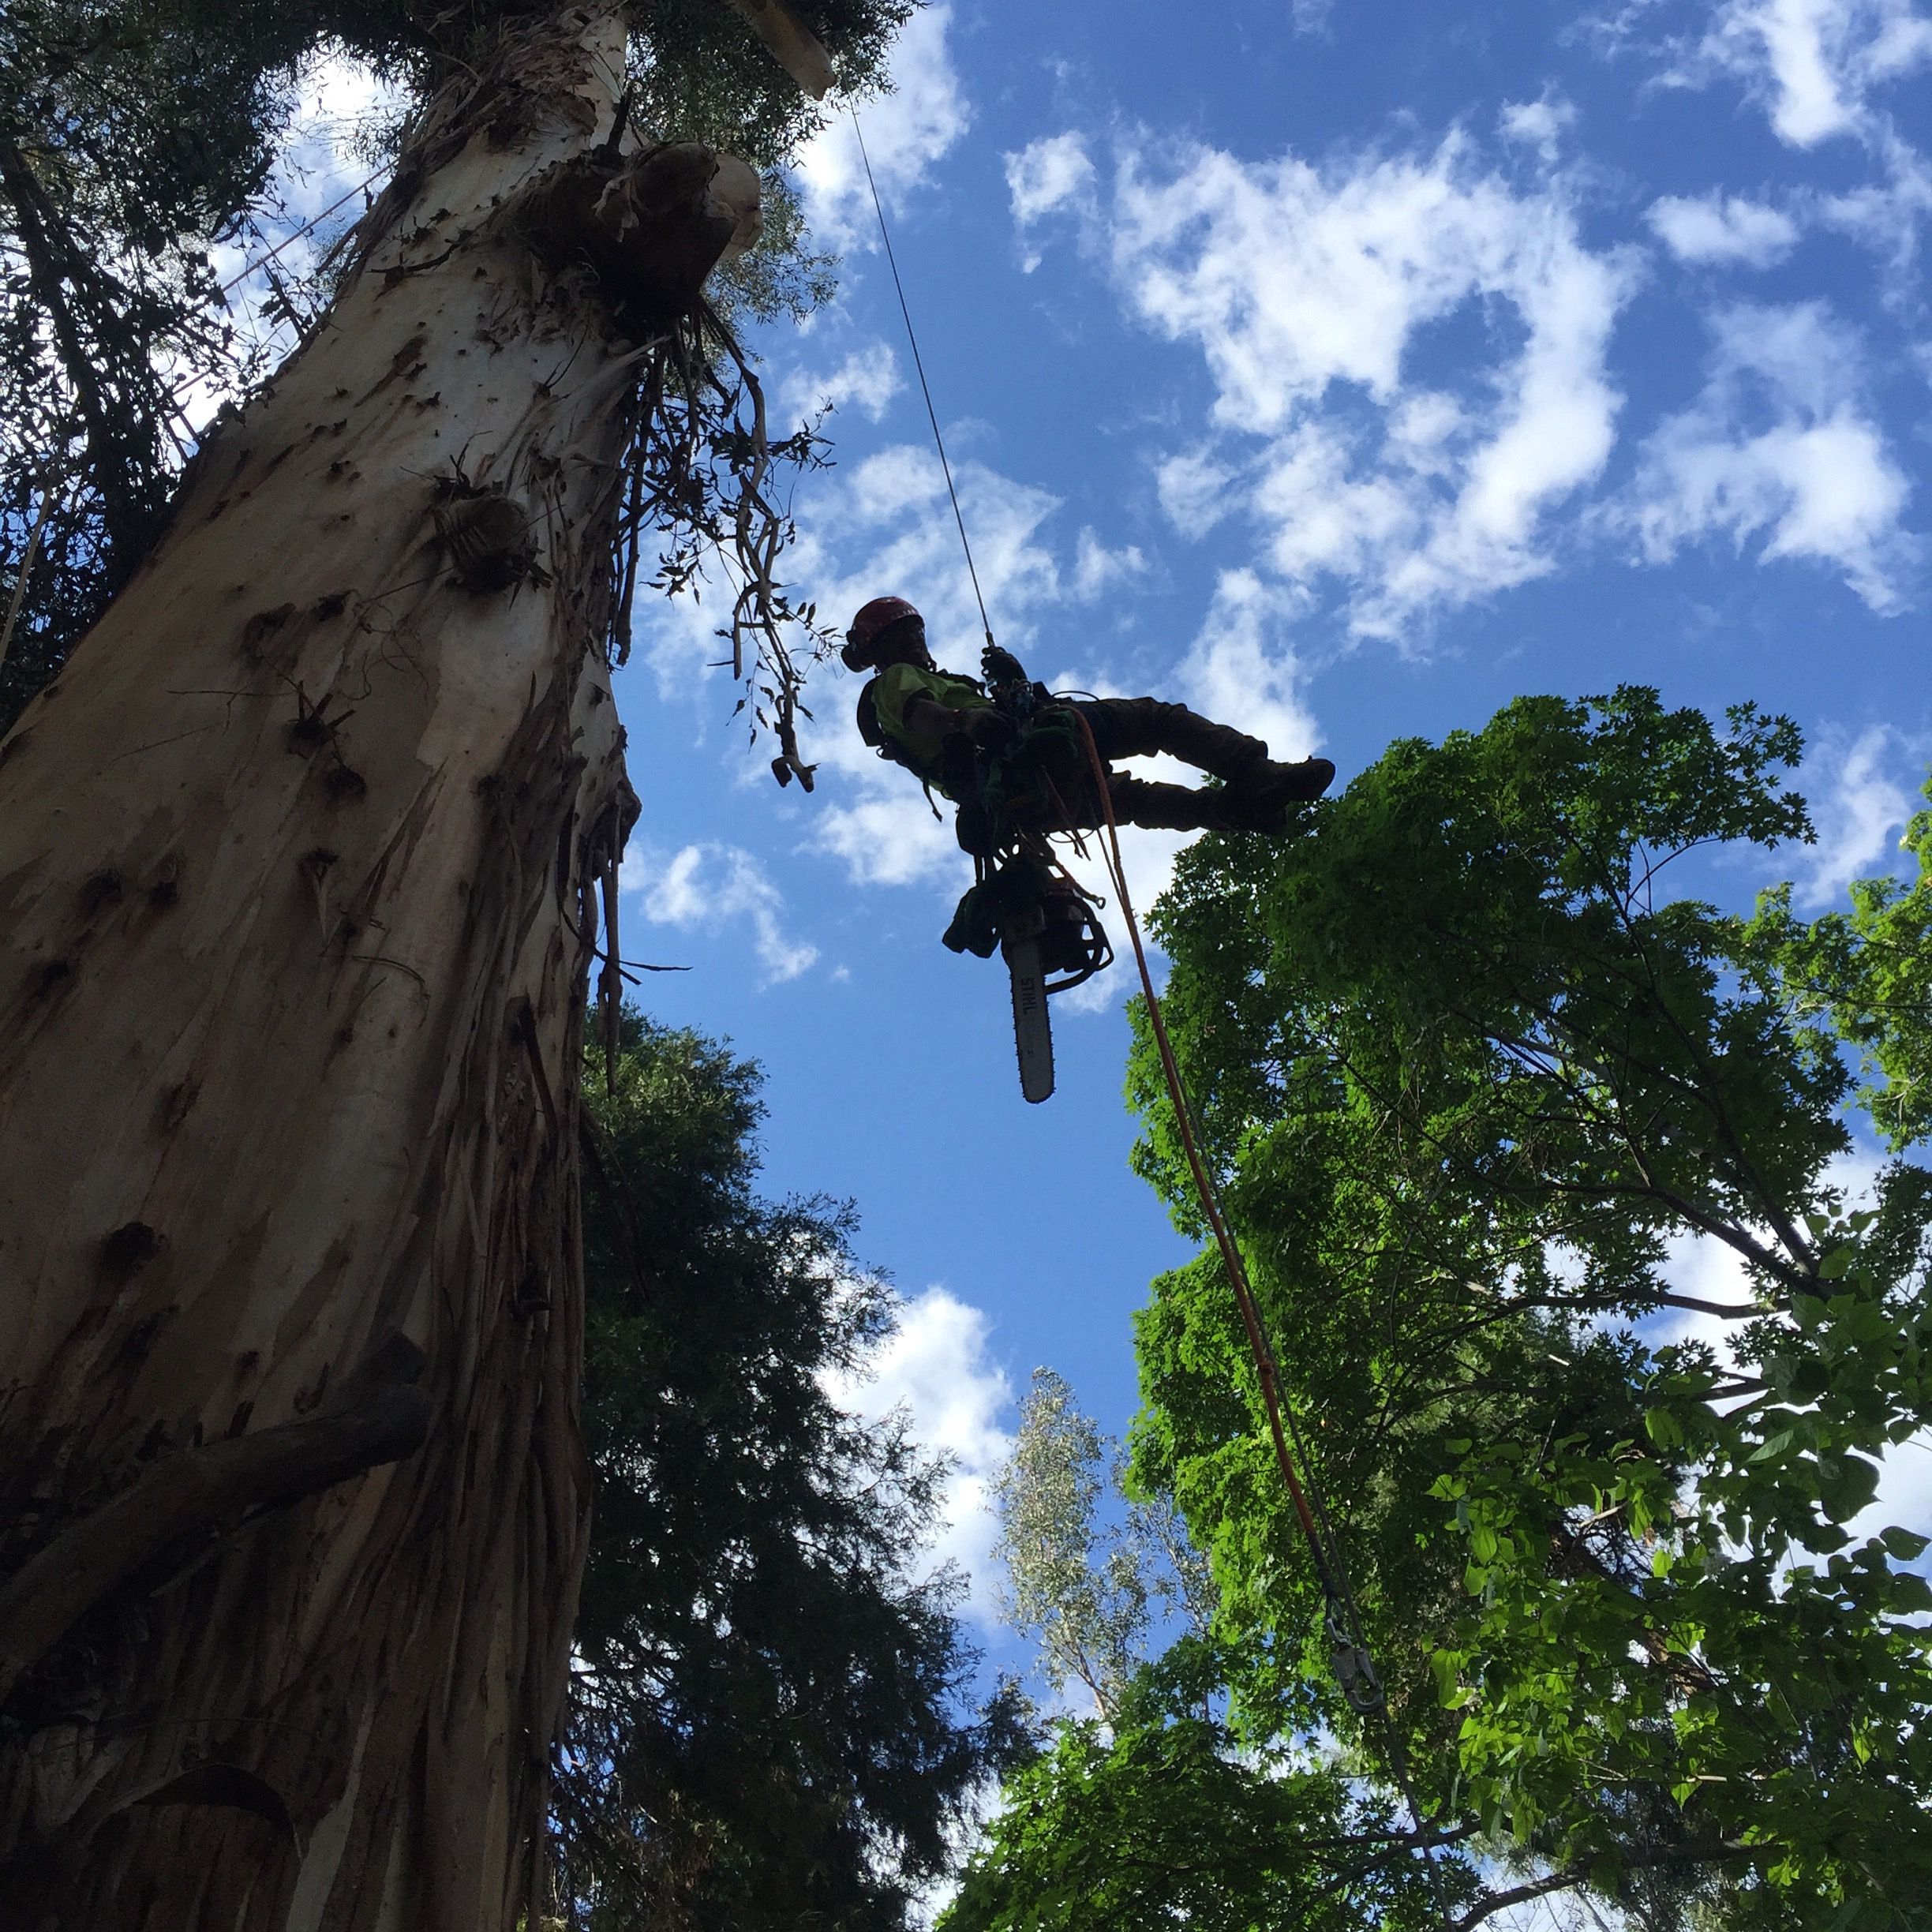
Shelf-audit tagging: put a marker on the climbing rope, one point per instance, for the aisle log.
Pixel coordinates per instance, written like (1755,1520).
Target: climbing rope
(879,208)
(1348,1655)
(1358,1676)
(1353,1666)
(1350,1658)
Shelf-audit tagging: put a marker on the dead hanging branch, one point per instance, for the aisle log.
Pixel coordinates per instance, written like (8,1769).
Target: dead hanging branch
(702,466)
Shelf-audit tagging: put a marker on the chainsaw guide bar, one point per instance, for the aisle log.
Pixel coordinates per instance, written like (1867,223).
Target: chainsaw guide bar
(1033,1029)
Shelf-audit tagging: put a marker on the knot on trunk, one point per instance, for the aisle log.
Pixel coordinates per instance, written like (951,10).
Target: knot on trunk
(485,533)
(650,227)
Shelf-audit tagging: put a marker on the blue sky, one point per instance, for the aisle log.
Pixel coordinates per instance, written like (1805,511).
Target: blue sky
(1345,371)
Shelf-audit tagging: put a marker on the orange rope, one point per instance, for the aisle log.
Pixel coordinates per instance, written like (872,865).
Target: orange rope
(1203,1185)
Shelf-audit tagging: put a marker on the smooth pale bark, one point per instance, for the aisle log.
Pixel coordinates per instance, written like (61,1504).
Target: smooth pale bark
(296,867)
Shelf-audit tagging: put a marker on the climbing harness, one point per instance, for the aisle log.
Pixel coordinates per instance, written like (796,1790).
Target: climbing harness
(1023,903)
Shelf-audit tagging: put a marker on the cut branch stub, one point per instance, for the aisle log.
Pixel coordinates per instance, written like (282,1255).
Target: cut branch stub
(485,533)
(650,230)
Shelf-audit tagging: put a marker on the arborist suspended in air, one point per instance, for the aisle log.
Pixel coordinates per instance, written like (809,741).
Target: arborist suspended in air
(1021,764)
(948,730)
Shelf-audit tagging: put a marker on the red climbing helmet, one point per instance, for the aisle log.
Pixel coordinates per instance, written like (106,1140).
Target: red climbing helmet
(873,618)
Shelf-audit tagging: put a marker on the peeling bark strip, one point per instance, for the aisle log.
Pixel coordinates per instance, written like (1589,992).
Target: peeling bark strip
(296,906)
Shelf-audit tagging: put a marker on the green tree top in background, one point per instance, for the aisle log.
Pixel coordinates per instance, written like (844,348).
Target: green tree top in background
(1544,1179)
(766,1724)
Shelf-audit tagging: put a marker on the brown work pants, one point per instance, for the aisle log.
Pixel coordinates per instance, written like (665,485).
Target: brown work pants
(1143,727)
(1125,728)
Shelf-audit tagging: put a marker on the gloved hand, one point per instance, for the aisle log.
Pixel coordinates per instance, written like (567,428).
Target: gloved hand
(990,730)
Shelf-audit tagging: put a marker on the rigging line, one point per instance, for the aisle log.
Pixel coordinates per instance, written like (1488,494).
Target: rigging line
(288,241)
(985,624)
(1324,1549)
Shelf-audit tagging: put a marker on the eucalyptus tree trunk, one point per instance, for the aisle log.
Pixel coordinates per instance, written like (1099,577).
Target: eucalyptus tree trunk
(297,866)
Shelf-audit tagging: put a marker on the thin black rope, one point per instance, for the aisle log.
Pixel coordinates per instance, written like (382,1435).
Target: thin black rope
(985,624)
(262,261)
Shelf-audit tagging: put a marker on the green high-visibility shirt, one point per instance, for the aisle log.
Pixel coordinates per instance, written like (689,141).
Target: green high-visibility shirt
(898,684)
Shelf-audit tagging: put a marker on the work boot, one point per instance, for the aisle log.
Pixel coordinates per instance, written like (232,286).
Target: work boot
(1267,787)
(1182,808)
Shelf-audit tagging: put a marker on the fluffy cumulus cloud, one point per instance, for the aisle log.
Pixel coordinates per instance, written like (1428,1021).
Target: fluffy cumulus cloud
(1242,666)
(1539,125)
(711,887)
(936,1369)
(1822,71)
(1367,455)
(1054,173)
(866,381)
(1723,229)
(906,132)
(1858,806)
(1815,65)
(1781,450)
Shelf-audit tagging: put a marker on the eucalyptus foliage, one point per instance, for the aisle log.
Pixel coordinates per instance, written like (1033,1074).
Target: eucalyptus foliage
(132,135)
(1493,1112)
(767,1724)
(1162,1811)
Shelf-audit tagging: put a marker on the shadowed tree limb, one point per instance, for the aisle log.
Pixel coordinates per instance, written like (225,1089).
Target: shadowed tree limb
(379,1416)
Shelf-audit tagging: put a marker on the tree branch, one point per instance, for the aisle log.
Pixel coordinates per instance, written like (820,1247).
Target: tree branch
(1500,1901)
(378,1416)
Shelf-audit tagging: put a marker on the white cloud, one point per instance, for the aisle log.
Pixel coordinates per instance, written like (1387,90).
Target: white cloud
(1195,491)
(906,132)
(1540,124)
(936,1367)
(1886,214)
(1049,173)
(1240,669)
(1053,173)
(1308,292)
(1778,445)
(1814,64)
(887,836)
(1723,228)
(1855,817)
(707,887)
(1098,569)
(866,380)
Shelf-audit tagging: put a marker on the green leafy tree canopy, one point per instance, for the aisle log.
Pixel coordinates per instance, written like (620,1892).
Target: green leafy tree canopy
(1477,1087)
(767,1719)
